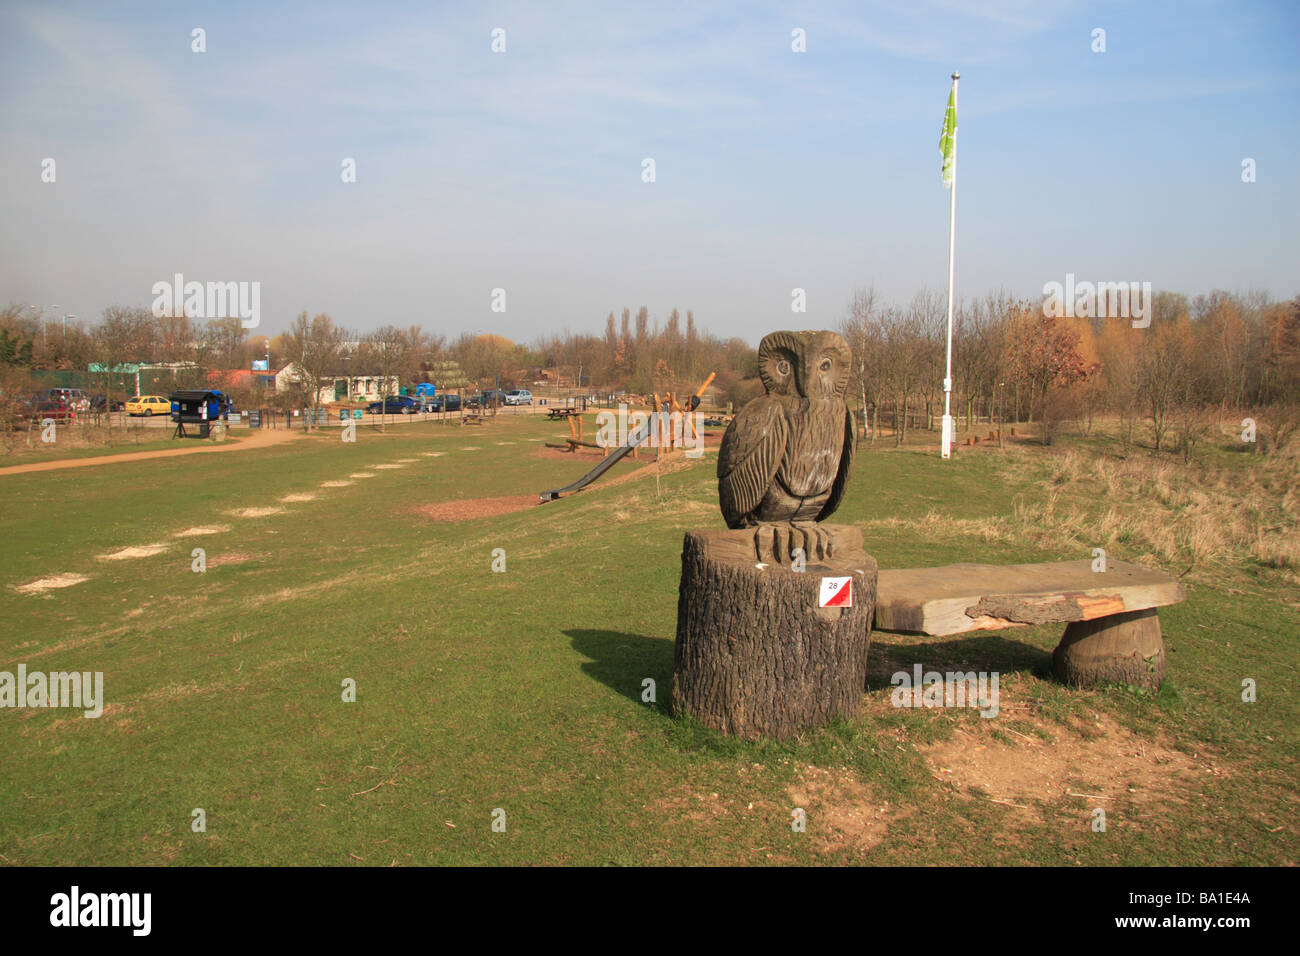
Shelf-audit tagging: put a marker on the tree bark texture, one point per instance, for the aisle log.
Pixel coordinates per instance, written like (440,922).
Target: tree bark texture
(756,656)
(1124,648)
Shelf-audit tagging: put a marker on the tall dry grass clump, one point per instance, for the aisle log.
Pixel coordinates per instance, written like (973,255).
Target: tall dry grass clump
(1211,519)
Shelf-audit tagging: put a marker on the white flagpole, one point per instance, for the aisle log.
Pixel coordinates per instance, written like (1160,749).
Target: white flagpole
(952,249)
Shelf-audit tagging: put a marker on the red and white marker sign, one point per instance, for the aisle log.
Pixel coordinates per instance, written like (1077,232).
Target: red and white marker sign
(836,592)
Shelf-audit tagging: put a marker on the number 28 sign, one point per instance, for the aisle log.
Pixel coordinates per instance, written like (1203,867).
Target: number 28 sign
(836,592)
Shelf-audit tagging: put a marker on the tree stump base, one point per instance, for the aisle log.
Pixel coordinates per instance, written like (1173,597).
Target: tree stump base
(756,656)
(1122,648)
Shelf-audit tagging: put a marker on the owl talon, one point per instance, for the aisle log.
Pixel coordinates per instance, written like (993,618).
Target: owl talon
(816,541)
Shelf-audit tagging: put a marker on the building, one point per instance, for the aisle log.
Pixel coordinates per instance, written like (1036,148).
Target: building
(340,387)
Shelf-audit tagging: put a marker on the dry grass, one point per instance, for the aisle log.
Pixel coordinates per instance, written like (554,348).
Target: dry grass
(1209,516)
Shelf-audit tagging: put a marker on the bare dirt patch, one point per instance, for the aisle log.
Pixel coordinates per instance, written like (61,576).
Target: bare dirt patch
(433,454)
(386,467)
(361,474)
(257,512)
(298,497)
(142,551)
(335,484)
(190,532)
(1099,760)
(49,583)
(841,811)
(467,509)
(471,448)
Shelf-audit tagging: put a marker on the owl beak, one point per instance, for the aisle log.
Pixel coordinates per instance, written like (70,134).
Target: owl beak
(807,374)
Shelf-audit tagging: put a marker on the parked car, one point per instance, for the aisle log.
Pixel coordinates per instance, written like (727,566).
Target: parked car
(149,405)
(99,403)
(56,409)
(76,399)
(519,396)
(394,405)
(440,403)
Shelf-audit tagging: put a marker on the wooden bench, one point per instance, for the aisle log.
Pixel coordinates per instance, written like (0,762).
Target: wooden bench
(1112,629)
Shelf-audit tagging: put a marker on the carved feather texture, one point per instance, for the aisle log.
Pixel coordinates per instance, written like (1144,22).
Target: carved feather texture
(749,457)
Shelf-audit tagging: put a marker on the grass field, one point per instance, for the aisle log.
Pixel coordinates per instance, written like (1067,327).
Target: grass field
(522,690)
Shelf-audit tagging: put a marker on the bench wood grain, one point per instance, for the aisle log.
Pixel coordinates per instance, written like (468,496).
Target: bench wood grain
(958,598)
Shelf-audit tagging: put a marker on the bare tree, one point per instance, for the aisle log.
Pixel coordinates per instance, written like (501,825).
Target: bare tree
(316,347)
(387,351)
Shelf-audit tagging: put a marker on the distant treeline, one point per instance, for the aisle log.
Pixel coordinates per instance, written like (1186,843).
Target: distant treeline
(1213,354)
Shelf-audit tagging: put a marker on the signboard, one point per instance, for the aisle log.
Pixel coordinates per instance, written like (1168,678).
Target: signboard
(836,592)
(254,418)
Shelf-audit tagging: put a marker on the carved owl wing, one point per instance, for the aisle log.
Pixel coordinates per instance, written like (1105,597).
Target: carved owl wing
(846,466)
(750,455)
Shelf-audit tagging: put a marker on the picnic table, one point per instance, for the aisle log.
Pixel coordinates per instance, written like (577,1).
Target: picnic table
(563,411)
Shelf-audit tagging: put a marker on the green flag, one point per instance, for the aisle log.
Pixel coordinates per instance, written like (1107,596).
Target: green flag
(948,138)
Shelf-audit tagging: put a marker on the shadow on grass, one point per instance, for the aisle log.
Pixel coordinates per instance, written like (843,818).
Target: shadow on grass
(985,653)
(621,661)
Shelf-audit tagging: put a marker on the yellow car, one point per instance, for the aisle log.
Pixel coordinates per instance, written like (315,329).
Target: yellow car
(148,405)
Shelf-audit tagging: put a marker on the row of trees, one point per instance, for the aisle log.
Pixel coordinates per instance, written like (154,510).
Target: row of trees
(1210,355)
(636,355)
(1199,359)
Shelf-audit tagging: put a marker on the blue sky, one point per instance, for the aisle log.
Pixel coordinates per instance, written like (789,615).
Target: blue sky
(522,170)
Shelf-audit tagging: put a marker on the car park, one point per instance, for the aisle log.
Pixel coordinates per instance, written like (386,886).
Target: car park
(519,396)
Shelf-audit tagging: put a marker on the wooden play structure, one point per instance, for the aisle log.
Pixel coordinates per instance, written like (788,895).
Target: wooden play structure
(667,405)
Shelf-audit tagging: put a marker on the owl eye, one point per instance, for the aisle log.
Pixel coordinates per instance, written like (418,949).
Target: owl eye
(826,365)
(783,367)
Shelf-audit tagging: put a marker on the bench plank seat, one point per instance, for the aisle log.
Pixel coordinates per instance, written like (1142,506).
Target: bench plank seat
(958,598)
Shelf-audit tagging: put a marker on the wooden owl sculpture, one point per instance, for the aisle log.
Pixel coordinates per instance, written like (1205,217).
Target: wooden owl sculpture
(786,456)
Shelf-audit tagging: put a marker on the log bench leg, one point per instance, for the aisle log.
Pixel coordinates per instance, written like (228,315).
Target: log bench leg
(1123,648)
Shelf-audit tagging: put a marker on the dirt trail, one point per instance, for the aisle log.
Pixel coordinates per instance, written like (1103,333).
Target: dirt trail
(254,438)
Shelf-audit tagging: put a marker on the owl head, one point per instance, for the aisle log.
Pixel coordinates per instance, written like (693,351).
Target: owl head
(810,364)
